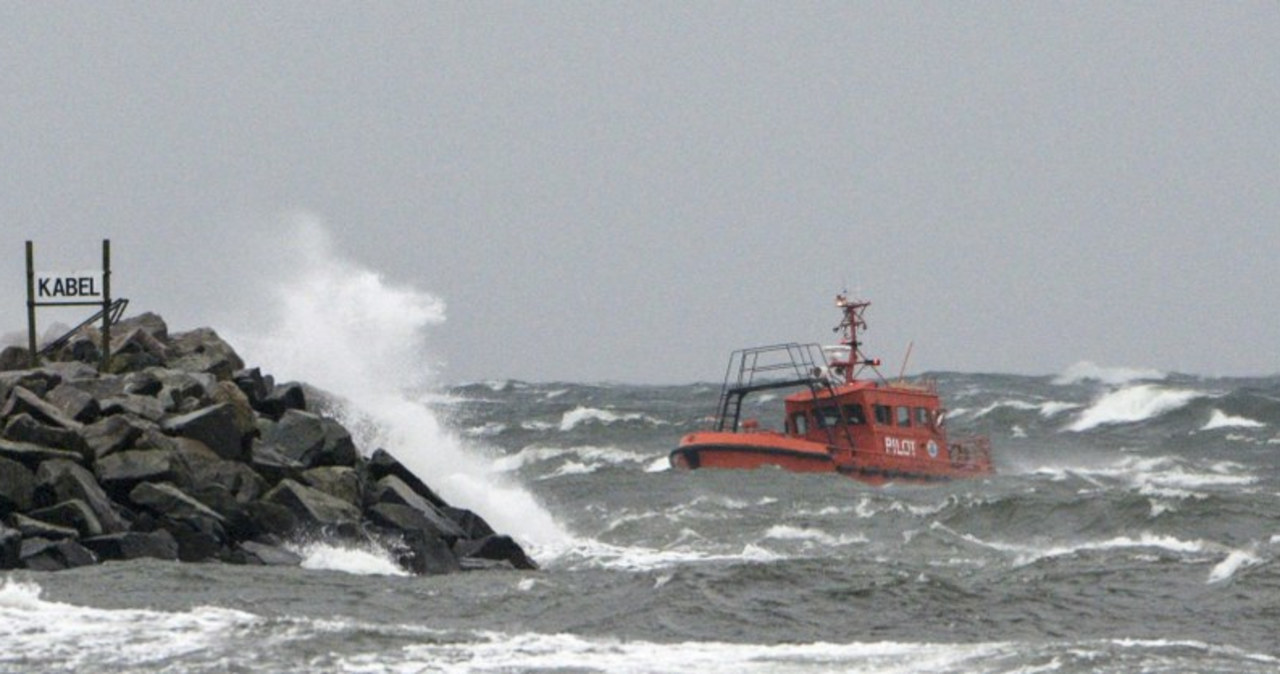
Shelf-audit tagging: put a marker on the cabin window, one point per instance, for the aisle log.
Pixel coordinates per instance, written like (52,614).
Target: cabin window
(922,416)
(855,415)
(904,416)
(826,417)
(884,415)
(800,423)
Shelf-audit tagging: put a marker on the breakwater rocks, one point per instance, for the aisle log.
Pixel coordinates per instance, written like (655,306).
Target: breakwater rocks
(181,453)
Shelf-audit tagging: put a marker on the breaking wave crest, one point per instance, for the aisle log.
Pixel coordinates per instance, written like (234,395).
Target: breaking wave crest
(348,330)
(1132,404)
(1115,376)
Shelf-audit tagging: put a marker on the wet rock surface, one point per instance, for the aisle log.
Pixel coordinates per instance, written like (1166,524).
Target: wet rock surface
(179,452)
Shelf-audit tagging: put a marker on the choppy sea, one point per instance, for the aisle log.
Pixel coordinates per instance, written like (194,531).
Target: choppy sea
(1134,526)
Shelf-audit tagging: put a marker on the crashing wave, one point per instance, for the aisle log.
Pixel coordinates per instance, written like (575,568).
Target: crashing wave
(1132,404)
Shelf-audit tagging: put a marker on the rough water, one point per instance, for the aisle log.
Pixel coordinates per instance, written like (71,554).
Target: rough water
(1134,525)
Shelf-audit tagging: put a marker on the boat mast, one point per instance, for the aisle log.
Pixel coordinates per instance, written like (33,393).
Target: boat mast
(848,327)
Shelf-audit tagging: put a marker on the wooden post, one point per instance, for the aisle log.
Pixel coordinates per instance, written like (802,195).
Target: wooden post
(106,305)
(31,306)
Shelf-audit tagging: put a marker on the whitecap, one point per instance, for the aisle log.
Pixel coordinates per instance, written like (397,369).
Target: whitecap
(1220,419)
(1115,376)
(1233,562)
(812,535)
(490,429)
(580,415)
(1132,404)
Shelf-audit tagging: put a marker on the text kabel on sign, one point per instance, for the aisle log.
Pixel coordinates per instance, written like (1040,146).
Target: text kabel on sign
(69,287)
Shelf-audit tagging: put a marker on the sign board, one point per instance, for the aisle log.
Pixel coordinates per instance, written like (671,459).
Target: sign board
(77,288)
(69,287)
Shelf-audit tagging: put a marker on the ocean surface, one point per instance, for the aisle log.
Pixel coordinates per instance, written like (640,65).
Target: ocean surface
(1134,526)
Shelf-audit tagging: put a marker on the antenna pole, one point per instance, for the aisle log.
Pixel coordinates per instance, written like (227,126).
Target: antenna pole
(906,360)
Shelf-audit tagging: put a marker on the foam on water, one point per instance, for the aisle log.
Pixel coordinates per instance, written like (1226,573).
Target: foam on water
(1028,553)
(812,535)
(1156,475)
(531,651)
(361,560)
(1132,404)
(348,330)
(65,636)
(589,456)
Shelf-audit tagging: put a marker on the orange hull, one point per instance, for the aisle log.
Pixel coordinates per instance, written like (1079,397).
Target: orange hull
(751,450)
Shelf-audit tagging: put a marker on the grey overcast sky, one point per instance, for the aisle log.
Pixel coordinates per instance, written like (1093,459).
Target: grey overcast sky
(628,191)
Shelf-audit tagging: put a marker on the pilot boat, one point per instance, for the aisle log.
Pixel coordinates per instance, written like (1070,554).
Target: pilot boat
(835,420)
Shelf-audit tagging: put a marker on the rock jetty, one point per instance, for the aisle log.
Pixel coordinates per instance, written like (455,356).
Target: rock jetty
(180,452)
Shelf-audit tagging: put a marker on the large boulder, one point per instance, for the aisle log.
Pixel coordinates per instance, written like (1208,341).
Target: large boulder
(14,358)
(34,528)
(166,500)
(60,480)
(246,420)
(270,462)
(75,514)
(392,490)
(24,428)
(38,381)
(31,455)
(121,472)
(184,391)
(341,482)
(428,554)
(145,407)
(314,507)
(253,385)
(39,554)
(339,448)
(159,544)
(199,531)
(382,464)
(134,350)
(75,402)
(17,487)
(282,398)
(202,350)
(111,434)
(262,519)
(22,400)
(496,548)
(10,547)
(473,525)
(269,555)
(298,436)
(143,383)
(240,481)
(215,426)
(148,322)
